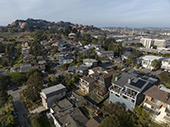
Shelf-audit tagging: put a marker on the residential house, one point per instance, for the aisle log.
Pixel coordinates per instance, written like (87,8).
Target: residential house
(29,58)
(147,60)
(78,70)
(64,114)
(65,58)
(44,42)
(105,54)
(104,82)
(86,84)
(25,44)
(118,60)
(25,51)
(25,68)
(65,48)
(47,47)
(126,55)
(157,102)
(71,35)
(166,64)
(40,60)
(94,121)
(128,89)
(14,69)
(89,46)
(96,70)
(49,94)
(2,54)
(90,62)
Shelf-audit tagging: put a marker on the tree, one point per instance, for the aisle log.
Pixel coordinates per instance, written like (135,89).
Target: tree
(3,97)
(30,72)
(2,47)
(167,55)
(67,30)
(165,78)
(17,77)
(142,115)
(110,121)
(130,60)
(34,86)
(154,63)
(6,117)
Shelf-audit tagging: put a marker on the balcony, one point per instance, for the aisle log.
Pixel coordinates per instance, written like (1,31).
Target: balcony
(151,110)
(129,94)
(83,84)
(115,89)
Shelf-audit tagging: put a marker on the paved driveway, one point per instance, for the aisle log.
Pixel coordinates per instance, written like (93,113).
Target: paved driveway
(19,106)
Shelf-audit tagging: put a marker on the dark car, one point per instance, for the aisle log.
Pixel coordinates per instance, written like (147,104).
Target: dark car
(15,89)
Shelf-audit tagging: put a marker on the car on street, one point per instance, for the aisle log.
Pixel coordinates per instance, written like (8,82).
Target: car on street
(15,89)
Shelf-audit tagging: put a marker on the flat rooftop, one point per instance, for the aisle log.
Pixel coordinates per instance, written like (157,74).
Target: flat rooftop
(53,88)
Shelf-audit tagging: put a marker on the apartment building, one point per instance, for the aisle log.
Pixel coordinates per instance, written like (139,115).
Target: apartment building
(149,43)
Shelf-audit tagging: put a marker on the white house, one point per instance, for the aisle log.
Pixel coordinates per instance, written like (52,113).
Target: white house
(147,60)
(166,64)
(50,93)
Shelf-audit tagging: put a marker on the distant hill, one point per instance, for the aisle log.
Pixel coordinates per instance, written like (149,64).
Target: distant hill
(39,24)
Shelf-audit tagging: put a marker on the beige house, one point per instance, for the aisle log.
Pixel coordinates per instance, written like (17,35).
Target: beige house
(86,84)
(96,70)
(157,102)
(166,64)
(50,93)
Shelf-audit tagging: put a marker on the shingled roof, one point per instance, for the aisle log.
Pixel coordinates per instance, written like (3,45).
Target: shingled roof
(156,93)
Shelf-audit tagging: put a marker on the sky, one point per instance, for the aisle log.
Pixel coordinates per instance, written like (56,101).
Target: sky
(100,13)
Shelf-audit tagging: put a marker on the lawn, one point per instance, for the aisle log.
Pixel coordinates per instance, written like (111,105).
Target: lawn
(18,60)
(95,97)
(86,111)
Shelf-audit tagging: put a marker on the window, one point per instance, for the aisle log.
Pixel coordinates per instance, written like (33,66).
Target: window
(153,100)
(125,97)
(133,101)
(153,108)
(101,83)
(117,95)
(101,79)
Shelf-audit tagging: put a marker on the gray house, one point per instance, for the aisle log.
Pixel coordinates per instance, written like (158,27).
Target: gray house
(128,89)
(64,114)
(90,62)
(65,58)
(78,70)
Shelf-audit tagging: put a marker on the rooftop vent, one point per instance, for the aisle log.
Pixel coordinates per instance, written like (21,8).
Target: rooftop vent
(116,78)
(129,81)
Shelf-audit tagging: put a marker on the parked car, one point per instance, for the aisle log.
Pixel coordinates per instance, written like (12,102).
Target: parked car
(15,114)
(15,89)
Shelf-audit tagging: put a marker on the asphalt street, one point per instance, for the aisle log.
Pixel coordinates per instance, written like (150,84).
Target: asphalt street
(19,107)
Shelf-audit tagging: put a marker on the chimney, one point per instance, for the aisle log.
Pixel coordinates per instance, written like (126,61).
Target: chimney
(129,81)
(116,78)
(167,97)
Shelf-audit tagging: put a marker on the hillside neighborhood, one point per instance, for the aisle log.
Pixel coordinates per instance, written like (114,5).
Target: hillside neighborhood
(70,75)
